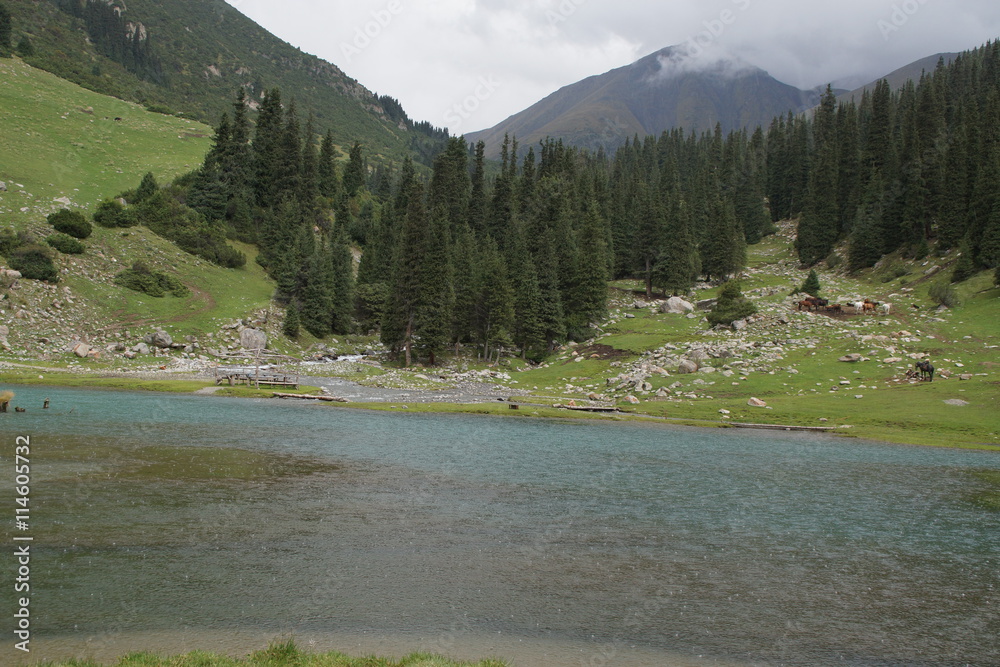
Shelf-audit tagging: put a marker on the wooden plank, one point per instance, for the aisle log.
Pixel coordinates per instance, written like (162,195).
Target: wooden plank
(310,397)
(779,427)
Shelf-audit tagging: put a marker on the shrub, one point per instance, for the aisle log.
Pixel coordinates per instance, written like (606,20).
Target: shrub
(72,223)
(111,213)
(944,295)
(8,241)
(141,278)
(65,244)
(34,262)
(731,306)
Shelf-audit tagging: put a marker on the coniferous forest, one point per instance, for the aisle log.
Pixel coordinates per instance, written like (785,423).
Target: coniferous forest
(515,257)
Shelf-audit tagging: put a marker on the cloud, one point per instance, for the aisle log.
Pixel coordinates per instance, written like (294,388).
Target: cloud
(435,54)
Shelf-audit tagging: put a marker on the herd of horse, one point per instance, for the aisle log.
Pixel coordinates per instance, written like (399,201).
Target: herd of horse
(923,370)
(817,304)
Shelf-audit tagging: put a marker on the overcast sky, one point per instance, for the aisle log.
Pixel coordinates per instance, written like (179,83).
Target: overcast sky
(468,64)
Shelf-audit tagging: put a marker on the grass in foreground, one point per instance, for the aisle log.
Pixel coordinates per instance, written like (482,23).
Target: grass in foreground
(285,654)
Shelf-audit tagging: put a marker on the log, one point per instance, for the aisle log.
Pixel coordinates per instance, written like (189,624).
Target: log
(310,397)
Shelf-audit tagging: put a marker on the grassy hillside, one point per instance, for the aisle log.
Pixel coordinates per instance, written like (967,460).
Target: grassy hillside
(208,50)
(60,140)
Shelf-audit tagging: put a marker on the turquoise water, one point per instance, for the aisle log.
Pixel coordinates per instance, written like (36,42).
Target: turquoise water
(740,547)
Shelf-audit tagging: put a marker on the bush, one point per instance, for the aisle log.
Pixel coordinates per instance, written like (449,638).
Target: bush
(945,295)
(8,241)
(66,244)
(731,306)
(72,223)
(141,278)
(34,262)
(111,213)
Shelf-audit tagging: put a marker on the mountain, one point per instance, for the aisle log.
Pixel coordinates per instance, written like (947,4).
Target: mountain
(898,78)
(188,57)
(663,90)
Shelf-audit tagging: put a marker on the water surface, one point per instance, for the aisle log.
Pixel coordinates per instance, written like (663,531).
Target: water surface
(176,521)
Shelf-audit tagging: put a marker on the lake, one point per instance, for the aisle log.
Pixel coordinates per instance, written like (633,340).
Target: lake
(178,522)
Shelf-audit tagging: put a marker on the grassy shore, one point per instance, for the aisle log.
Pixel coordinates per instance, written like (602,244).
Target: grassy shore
(280,655)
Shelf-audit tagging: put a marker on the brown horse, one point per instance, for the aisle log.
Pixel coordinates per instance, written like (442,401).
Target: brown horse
(926,370)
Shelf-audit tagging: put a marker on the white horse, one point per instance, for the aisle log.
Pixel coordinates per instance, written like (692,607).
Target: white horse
(886,307)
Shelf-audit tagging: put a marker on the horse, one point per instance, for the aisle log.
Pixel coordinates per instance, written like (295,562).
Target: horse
(926,370)
(869,306)
(834,308)
(886,307)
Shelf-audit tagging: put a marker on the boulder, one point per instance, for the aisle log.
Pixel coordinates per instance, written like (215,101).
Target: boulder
(740,325)
(707,304)
(852,358)
(632,399)
(965,376)
(253,339)
(160,339)
(957,402)
(676,305)
(3,187)
(756,403)
(141,348)
(686,367)
(4,331)
(81,350)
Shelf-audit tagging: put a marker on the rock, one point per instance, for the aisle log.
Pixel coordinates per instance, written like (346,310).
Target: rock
(4,331)
(159,338)
(724,412)
(756,403)
(253,339)
(707,304)
(956,401)
(851,358)
(740,325)
(676,305)
(646,387)
(629,316)
(707,369)
(3,187)
(892,360)
(632,399)
(141,348)
(130,354)
(687,367)
(639,305)
(594,396)
(663,392)
(81,350)
(965,376)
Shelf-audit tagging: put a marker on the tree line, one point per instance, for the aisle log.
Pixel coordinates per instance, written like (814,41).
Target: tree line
(516,256)
(896,171)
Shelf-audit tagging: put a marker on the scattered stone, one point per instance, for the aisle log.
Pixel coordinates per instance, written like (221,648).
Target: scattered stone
(956,401)
(159,338)
(965,376)
(686,367)
(81,350)
(253,339)
(724,412)
(854,357)
(632,399)
(676,305)
(756,403)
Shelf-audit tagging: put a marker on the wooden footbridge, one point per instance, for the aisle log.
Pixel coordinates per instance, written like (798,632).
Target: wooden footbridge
(266,369)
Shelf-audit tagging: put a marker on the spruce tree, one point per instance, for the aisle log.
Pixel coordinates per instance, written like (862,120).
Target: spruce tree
(342,286)
(327,168)
(811,285)
(965,266)
(316,296)
(355,174)
(292,322)
(399,320)
(589,291)
(434,316)
(266,142)
(6,27)
(494,319)
(820,223)
(723,252)
(865,245)
(731,306)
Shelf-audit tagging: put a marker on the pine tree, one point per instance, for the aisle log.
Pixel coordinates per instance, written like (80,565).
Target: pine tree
(477,196)
(723,253)
(865,246)
(399,321)
(589,291)
(494,319)
(267,138)
(731,306)
(965,267)
(529,330)
(328,184)
(292,322)
(820,223)
(811,285)
(434,316)
(355,174)
(6,27)
(316,296)
(342,286)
